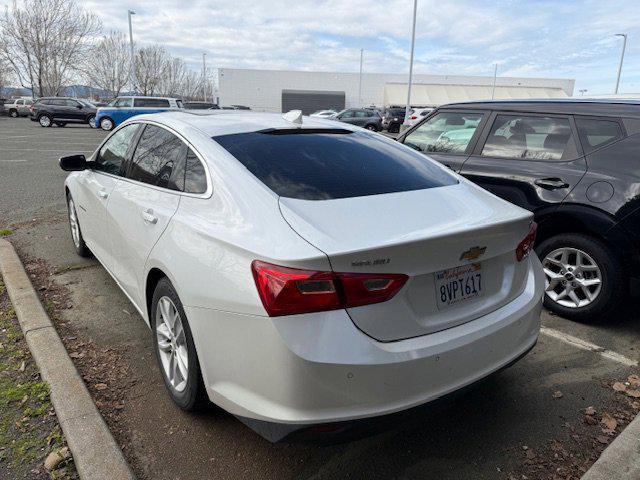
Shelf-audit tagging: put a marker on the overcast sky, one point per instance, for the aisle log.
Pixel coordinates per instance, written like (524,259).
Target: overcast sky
(568,39)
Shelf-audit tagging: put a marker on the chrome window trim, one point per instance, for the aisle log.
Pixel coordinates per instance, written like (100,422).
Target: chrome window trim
(208,192)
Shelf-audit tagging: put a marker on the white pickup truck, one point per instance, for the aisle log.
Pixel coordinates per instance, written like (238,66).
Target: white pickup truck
(18,107)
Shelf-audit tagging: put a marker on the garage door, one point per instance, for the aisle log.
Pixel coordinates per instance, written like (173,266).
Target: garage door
(310,101)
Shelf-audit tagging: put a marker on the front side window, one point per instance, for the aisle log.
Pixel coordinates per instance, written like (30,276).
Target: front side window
(446,132)
(123,102)
(531,138)
(322,165)
(596,133)
(159,159)
(113,154)
(71,103)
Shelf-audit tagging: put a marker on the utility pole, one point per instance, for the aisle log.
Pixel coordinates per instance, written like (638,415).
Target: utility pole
(582,91)
(413,43)
(624,47)
(204,76)
(495,76)
(131,71)
(360,82)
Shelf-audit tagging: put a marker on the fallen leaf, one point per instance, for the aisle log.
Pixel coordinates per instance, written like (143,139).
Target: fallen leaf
(24,399)
(633,393)
(589,411)
(22,366)
(619,387)
(100,386)
(602,439)
(557,394)
(608,422)
(590,420)
(634,380)
(76,354)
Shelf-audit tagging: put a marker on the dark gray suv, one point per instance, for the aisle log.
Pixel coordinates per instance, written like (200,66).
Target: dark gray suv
(576,165)
(368,118)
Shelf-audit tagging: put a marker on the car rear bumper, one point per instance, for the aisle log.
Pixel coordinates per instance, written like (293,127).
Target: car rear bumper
(319,368)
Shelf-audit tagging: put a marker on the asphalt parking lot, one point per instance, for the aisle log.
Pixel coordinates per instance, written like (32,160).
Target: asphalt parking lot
(527,420)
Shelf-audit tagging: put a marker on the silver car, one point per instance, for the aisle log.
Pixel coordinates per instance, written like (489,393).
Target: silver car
(19,107)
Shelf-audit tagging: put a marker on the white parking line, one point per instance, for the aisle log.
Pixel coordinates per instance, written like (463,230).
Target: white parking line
(584,345)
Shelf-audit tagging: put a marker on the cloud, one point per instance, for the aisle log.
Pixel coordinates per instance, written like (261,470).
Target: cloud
(542,38)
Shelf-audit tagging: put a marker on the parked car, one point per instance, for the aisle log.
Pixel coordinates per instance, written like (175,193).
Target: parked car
(574,164)
(123,108)
(416,115)
(18,107)
(323,114)
(392,118)
(2,109)
(200,106)
(62,110)
(368,118)
(273,286)
(235,107)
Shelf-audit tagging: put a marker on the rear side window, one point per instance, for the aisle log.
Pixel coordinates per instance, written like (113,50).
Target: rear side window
(596,133)
(195,179)
(321,165)
(112,156)
(446,132)
(159,159)
(151,102)
(530,138)
(123,102)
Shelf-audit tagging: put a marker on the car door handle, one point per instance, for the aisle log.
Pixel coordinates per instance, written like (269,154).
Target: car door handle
(103,194)
(149,217)
(551,183)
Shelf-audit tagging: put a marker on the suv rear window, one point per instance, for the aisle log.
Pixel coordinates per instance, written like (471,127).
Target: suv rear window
(322,165)
(596,133)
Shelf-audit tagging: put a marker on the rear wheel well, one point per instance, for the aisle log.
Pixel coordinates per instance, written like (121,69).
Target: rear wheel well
(154,276)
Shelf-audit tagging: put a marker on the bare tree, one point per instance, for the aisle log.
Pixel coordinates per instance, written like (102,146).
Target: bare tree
(109,65)
(150,66)
(173,77)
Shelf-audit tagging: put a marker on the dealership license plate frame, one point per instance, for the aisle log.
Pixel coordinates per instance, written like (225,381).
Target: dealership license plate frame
(460,284)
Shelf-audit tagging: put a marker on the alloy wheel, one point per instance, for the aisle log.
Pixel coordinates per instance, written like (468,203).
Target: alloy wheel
(45,121)
(172,344)
(92,122)
(73,221)
(573,278)
(106,124)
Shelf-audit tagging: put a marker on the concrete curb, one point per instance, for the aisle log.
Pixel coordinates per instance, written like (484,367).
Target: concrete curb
(95,452)
(621,459)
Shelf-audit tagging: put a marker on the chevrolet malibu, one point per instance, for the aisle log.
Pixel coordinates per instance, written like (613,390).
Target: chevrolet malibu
(299,272)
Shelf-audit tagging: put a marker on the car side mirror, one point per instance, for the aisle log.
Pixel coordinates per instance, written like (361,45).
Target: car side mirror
(73,163)
(79,107)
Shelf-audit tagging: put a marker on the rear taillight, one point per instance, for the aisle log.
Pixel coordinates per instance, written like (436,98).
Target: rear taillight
(286,291)
(413,117)
(526,245)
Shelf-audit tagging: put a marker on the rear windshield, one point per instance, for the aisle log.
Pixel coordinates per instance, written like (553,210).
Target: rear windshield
(321,165)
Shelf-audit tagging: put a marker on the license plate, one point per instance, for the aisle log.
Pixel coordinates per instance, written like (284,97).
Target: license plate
(459,284)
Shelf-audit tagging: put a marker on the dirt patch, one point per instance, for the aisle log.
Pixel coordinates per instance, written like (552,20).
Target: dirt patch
(103,370)
(29,430)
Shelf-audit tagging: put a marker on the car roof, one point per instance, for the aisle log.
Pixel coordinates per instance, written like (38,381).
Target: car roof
(574,106)
(226,122)
(145,96)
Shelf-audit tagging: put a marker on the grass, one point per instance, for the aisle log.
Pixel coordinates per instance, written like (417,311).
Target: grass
(28,427)
(5,231)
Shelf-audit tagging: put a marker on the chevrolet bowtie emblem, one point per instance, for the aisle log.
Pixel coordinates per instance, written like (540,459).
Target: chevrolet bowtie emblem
(473,253)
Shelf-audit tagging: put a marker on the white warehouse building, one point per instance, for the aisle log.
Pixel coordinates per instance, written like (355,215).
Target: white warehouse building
(282,90)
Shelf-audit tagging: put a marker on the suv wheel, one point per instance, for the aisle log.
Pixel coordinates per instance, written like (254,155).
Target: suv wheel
(92,121)
(13,113)
(106,124)
(44,121)
(583,277)
(175,349)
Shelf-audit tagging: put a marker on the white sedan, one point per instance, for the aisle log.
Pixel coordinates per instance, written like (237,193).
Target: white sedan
(298,272)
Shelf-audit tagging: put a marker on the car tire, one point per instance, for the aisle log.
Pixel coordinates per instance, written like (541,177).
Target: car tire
(44,121)
(61,124)
(589,277)
(175,350)
(13,113)
(92,121)
(371,127)
(106,124)
(76,232)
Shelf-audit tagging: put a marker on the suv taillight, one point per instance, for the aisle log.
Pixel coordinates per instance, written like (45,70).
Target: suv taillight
(526,245)
(287,291)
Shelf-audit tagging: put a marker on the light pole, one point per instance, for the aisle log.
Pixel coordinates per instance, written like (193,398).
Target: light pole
(582,91)
(131,71)
(204,76)
(360,82)
(624,47)
(495,76)
(413,43)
